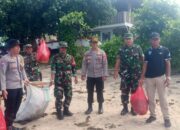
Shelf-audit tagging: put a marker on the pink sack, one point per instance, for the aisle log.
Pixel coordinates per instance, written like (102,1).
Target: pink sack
(43,52)
(139,101)
(2,121)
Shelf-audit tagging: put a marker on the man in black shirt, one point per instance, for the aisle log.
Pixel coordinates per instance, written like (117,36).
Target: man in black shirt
(156,71)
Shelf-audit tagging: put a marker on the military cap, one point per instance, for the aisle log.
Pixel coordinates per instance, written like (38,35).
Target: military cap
(63,44)
(128,35)
(28,45)
(154,35)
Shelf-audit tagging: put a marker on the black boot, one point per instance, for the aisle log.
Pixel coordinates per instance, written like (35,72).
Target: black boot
(133,112)
(89,110)
(67,112)
(100,110)
(60,115)
(124,110)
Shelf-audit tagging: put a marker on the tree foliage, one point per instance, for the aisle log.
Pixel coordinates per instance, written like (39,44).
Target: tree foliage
(29,19)
(163,17)
(154,16)
(111,48)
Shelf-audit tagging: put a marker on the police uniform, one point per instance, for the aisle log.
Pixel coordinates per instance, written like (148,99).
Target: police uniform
(63,66)
(32,66)
(130,69)
(12,74)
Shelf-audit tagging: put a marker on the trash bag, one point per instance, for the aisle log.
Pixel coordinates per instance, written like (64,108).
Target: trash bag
(34,104)
(139,101)
(43,52)
(2,121)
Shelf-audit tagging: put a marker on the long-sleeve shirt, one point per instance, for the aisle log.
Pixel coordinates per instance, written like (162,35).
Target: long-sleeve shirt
(12,72)
(95,64)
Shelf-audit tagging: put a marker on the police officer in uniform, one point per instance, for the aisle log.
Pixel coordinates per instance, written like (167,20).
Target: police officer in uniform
(128,65)
(62,69)
(12,79)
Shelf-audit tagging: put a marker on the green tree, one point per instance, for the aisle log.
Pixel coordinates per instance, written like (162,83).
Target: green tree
(111,48)
(154,15)
(28,19)
(163,17)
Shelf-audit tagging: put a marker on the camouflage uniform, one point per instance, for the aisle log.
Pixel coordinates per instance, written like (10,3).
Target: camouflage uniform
(63,66)
(32,67)
(130,69)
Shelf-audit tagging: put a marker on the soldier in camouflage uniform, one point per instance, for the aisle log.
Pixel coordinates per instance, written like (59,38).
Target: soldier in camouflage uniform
(31,65)
(129,61)
(62,69)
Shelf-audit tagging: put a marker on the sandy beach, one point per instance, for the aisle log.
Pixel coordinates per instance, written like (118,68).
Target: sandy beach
(111,118)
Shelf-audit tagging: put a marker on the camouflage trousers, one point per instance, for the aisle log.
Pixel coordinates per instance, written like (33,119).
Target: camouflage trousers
(60,91)
(127,87)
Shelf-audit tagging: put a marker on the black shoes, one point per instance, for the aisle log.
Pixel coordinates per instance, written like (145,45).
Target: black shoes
(124,111)
(100,110)
(150,119)
(67,112)
(133,112)
(167,123)
(88,111)
(60,115)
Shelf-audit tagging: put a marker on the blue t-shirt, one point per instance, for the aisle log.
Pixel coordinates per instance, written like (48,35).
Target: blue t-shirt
(156,61)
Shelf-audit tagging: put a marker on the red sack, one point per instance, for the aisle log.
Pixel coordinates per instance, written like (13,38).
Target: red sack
(2,121)
(43,52)
(139,101)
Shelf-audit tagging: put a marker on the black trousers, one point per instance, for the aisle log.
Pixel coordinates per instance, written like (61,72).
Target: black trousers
(12,104)
(91,83)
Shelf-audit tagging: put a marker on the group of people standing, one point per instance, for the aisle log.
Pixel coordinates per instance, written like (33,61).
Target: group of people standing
(133,67)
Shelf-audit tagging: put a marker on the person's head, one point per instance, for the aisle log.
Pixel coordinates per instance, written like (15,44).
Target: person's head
(94,42)
(128,39)
(28,48)
(63,47)
(13,46)
(155,39)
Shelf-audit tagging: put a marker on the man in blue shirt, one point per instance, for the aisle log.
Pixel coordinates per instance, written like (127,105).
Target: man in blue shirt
(156,71)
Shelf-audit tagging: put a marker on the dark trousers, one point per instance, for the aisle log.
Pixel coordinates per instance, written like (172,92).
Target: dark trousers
(99,83)
(12,104)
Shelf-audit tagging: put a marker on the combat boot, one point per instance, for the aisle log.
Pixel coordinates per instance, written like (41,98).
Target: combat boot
(124,110)
(133,112)
(60,115)
(100,110)
(67,112)
(89,110)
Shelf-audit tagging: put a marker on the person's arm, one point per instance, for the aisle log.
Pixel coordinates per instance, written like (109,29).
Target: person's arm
(3,69)
(74,71)
(84,68)
(53,71)
(105,66)
(168,67)
(116,68)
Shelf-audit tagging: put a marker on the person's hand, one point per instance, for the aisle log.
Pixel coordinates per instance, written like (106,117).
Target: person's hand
(26,82)
(83,77)
(104,78)
(141,81)
(115,74)
(4,94)
(75,80)
(167,81)
(51,83)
